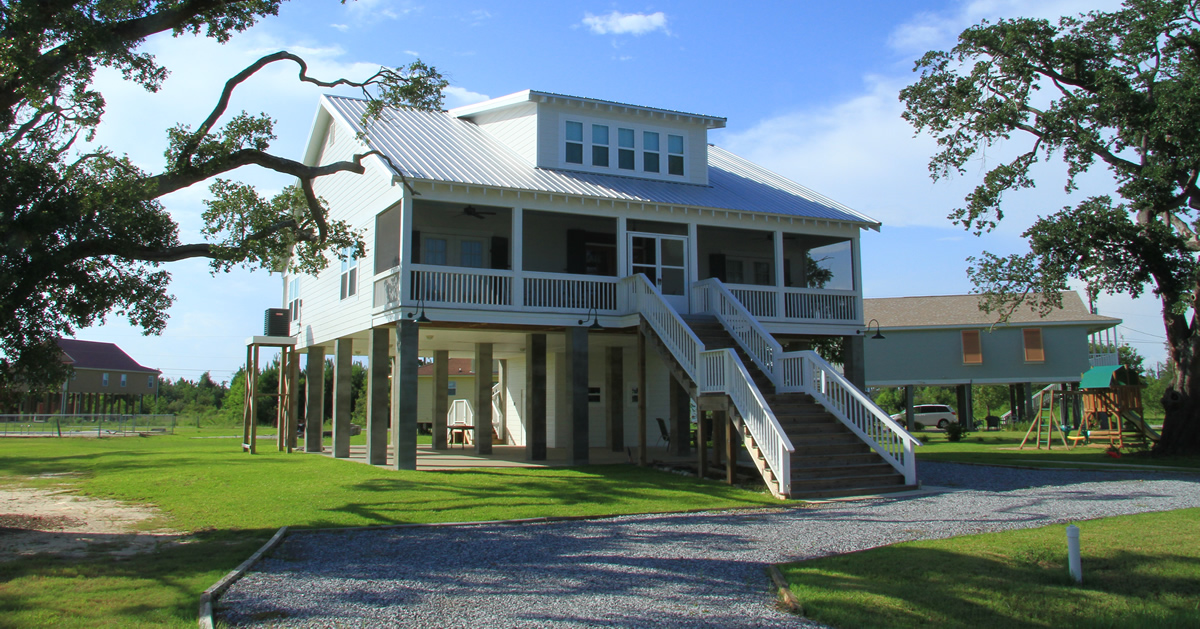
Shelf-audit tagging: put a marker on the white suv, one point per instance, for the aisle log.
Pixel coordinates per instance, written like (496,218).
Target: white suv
(938,415)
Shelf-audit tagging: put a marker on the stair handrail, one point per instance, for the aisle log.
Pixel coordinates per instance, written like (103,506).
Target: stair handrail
(714,371)
(857,411)
(724,372)
(711,296)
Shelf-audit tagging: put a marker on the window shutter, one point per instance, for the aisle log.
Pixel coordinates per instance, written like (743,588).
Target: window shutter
(1034,352)
(972,348)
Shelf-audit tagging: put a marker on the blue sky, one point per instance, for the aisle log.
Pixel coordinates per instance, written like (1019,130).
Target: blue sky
(809,90)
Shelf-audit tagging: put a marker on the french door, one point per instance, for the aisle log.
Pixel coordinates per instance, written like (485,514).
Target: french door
(663,259)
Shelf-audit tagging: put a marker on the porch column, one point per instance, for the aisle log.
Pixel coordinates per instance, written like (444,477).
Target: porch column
(910,415)
(576,373)
(518,257)
(718,436)
(614,385)
(483,398)
(641,401)
(693,261)
(680,420)
(622,247)
(535,397)
(964,411)
(853,357)
(780,305)
(404,396)
(731,442)
(406,247)
(343,357)
(441,397)
(1027,394)
(291,358)
(377,395)
(702,423)
(314,409)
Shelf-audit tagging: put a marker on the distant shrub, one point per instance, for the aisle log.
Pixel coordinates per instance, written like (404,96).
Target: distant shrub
(955,432)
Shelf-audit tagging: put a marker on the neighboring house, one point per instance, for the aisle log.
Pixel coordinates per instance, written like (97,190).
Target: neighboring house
(948,341)
(104,380)
(504,230)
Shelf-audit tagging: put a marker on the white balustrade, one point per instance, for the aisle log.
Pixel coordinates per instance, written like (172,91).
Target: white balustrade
(760,302)
(461,287)
(856,410)
(553,291)
(820,305)
(716,299)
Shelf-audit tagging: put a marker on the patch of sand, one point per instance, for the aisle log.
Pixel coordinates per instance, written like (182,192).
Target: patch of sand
(58,522)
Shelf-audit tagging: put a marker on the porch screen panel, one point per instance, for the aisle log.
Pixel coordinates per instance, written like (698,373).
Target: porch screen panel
(972,348)
(1035,352)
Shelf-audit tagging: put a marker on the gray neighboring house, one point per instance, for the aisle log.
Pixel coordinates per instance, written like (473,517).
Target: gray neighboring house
(948,341)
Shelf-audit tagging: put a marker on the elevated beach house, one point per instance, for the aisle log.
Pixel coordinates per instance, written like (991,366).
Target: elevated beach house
(619,270)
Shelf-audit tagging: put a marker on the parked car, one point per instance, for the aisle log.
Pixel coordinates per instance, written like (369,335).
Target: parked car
(938,415)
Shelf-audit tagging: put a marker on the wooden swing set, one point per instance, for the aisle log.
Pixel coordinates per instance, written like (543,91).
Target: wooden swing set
(1108,405)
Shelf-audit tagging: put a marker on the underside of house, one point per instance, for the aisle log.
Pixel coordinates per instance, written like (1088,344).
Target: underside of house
(623,276)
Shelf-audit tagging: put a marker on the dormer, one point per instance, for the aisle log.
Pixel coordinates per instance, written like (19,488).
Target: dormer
(596,136)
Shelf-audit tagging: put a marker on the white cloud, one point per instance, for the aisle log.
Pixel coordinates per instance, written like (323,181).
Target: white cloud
(938,31)
(341,27)
(458,96)
(366,11)
(412,53)
(617,23)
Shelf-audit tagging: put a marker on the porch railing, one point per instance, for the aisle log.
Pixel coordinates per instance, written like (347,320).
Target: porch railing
(553,291)
(820,304)
(712,297)
(715,371)
(461,287)
(488,289)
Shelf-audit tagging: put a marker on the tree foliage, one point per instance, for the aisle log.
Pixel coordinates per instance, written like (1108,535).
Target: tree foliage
(1117,90)
(83,235)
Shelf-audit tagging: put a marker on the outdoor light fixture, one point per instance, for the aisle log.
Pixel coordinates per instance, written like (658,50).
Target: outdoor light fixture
(878,334)
(421,312)
(595,320)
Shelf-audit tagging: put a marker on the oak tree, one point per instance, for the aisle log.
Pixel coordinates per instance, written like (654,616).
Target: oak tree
(1113,90)
(85,233)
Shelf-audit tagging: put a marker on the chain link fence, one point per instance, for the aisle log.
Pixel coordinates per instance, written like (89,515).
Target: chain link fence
(84,425)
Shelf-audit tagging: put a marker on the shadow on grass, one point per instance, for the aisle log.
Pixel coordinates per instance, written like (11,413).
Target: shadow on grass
(908,586)
(150,589)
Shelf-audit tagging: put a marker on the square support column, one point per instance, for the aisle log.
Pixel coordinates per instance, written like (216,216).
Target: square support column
(643,459)
(441,397)
(854,360)
(681,410)
(404,396)
(910,415)
(702,424)
(614,400)
(576,373)
(314,409)
(535,397)
(292,361)
(483,398)
(343,357)
(378,394)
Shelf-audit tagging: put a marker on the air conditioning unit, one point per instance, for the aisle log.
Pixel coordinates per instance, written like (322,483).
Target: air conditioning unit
(276,321)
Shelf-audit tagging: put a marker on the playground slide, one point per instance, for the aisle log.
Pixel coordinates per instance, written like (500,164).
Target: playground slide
(1136,419)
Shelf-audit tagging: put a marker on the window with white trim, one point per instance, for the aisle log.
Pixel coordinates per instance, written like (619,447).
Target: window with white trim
(124,380)
(452,388)
(625,152)
(104,379)
(650,154)
(293,295)
(675,155)
(600,145)
(574,137)
(150,382)
(349,283)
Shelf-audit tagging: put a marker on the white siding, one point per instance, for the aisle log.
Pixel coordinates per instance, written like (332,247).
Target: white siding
(356,199)
(515,127)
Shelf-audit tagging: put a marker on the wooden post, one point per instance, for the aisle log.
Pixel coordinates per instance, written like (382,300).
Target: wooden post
(641,402)
(614,402)
(730,448)
(701,443)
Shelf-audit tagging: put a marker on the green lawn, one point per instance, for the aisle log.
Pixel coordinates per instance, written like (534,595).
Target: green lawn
(1000,447)
(234,502)
(1139,571)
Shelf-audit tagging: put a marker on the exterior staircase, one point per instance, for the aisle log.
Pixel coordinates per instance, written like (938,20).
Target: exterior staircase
(829,460)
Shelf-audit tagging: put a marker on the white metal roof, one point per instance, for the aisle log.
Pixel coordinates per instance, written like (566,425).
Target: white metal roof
(466,111)
(436,146)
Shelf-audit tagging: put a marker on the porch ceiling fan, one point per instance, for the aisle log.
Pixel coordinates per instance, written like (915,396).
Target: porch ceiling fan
(472,211)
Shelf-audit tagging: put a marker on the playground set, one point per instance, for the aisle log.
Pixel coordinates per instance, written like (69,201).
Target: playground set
(1105,410)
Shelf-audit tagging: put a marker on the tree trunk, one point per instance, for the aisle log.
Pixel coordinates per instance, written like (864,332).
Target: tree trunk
(1181,425)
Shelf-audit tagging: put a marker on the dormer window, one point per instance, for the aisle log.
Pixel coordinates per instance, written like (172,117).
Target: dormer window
(625,149)
(574,142)
(675,157)
(600,145)
(650,156)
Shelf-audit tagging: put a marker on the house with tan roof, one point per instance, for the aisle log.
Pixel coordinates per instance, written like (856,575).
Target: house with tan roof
(947,340)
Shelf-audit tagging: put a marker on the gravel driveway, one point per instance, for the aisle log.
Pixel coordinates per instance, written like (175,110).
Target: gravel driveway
(686,570)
